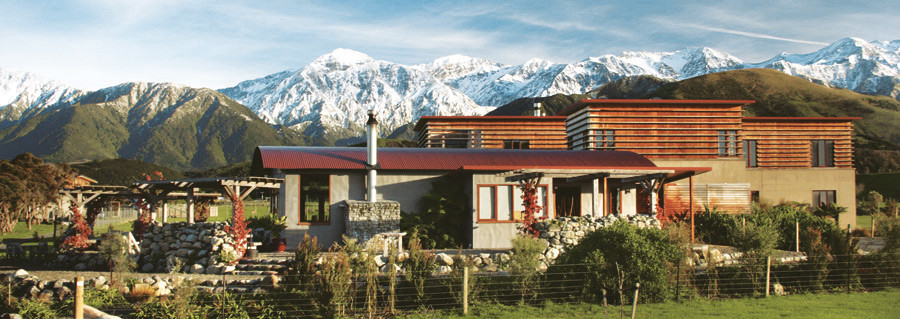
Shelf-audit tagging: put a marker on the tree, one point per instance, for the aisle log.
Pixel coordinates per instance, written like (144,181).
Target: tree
(27,187)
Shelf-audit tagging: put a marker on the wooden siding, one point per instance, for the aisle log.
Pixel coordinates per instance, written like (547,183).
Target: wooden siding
(491,133)
(732,198)
(786,143)
(655,130)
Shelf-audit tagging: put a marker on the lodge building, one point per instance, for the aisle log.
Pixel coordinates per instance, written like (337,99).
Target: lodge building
(595,157)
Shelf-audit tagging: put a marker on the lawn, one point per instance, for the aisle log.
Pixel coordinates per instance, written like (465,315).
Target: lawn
(880,304)
(864,222)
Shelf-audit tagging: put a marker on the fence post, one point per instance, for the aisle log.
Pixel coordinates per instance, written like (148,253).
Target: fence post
(768,274)
(224,288)
(637,288)
(605,305)
(678,280)
(79,297)
(465,291)
(873,227)
(798,234)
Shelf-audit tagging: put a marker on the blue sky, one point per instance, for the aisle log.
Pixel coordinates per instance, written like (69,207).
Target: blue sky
(95,43)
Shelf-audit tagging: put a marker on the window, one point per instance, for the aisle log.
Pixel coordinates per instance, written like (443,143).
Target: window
(504,202)
(516,144)
(315,199)
(607,139)
(457,139)
(822,153)
(750,153)
(727,143)
(754,196)
(822,198)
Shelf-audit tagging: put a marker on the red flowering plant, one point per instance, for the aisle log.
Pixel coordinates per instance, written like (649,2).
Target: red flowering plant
(78,240)
(530,201)
(238,228)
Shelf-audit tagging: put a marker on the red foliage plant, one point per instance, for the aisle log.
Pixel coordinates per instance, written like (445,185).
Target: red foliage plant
(143,221)
(79,240)
(529,200)
(238,229)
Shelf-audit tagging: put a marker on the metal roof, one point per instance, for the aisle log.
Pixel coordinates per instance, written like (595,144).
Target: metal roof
(438,159)
(634,102)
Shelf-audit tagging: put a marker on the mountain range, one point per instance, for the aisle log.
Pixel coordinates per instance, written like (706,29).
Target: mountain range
(325,101)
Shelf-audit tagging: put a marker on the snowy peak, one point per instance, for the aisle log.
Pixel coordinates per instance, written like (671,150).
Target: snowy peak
(23,94)
(342,58)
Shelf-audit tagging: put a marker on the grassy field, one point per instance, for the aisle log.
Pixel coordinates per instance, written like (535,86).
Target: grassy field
(880,304)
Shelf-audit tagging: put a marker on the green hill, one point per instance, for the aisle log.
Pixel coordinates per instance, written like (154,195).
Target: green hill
(122,171)
(550,105)
(174,126)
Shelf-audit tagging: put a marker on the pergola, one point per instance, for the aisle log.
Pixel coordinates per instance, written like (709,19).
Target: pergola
(235,188)
(651,180)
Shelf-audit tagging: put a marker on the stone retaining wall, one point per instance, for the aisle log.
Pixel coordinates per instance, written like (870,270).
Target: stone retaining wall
(364,220)
(194,248)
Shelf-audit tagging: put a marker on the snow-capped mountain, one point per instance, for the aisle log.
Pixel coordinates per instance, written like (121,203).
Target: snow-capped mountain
(850,63)
(23,93)
(338,88)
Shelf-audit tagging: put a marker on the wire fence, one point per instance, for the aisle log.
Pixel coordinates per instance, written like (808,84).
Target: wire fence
(330,293)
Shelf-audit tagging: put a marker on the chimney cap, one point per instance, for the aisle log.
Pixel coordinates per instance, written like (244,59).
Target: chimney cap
(372,120)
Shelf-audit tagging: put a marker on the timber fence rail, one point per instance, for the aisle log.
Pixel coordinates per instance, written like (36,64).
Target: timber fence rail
(380,294)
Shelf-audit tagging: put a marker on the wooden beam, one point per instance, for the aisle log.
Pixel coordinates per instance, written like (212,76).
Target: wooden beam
(524,177)
(590,177)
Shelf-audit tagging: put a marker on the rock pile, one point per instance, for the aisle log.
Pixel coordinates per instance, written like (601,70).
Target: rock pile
(191,248)
(564,232)
(27,286)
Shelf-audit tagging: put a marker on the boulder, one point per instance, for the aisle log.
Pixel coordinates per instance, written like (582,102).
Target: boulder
(21,273)
(444,259)
(196,269)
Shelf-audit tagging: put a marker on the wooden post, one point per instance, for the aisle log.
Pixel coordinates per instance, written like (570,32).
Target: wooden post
(189,206)
(768,274)
(798,234)
(79,297)
(873,227)
(605,197)
(743,224)
(637,288)
(691,204)
(465,291)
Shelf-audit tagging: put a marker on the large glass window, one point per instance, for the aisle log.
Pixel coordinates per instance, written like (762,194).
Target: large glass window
(607,139)
(315,199)
(457,139)
(750,153)
(504,202)
(822,153)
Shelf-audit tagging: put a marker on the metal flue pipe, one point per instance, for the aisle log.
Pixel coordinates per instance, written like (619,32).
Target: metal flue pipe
(537,109)
(372,150)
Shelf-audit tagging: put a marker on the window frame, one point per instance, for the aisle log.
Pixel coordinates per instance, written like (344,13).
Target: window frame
(817,195)
(496,198)
(750,152)
(517,144)
(301,202)
(821,153)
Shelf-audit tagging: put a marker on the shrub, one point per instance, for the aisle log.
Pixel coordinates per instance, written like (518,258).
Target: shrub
(639,255)
(114,250)
(715,227)
(444,209)
(35,308)
(524,263)
(333,284)
(419,266)
(757,242)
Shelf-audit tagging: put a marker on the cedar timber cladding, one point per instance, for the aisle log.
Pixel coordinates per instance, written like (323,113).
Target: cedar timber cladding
(786,142)
(660,129)
(537,132)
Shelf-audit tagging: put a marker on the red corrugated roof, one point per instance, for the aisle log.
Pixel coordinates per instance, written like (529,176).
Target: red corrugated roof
(581,104)
(438,159)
